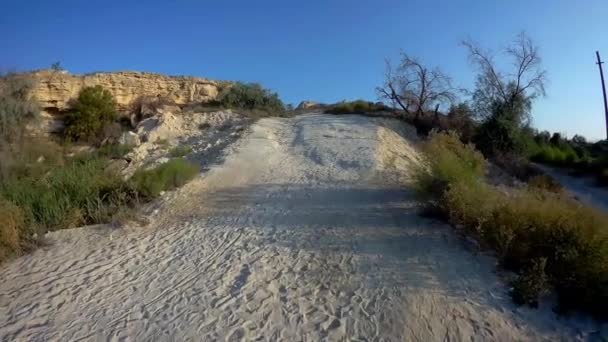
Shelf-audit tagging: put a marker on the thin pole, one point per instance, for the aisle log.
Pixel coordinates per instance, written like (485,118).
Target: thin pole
(599,63)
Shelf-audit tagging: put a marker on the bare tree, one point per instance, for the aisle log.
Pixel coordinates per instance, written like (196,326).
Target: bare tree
(416,88)
(513,89)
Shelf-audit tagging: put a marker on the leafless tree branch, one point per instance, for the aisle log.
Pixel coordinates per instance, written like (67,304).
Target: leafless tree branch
(416,88)
(526,81)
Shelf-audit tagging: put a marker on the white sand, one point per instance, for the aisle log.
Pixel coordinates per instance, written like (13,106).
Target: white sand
(306,232)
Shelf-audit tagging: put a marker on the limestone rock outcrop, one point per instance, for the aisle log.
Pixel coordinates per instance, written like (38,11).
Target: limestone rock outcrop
(310,106)
(55,89)
(307,104)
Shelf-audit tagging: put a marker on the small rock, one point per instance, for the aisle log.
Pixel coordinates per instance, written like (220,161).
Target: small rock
(129,139)
(162,160)
(117,165)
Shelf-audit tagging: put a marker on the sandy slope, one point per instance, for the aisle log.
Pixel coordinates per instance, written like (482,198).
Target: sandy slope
(306,232)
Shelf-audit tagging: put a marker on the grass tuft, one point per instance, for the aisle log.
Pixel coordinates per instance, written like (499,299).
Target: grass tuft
(167,176)
(180,151)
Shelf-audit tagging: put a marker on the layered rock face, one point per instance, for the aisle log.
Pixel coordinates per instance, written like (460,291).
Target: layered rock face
(55,89)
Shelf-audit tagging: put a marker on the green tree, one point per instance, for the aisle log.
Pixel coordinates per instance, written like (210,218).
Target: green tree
(500,133)
(460,119)
(93,109)
(416,88)
(543,137)
(503,99)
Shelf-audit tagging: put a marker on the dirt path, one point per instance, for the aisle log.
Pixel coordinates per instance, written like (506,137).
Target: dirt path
(583,187)
(306,232)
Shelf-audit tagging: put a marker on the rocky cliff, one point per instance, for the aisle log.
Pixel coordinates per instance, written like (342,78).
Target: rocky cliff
(55,89)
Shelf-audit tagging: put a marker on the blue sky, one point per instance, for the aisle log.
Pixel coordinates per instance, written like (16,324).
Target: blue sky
(321,50)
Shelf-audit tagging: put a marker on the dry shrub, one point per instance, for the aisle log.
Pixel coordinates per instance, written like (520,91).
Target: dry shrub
(531,283)
(553,241)
(146,105)
(30,158)
(545,182)
(450,161)
(17,108)
(12,223)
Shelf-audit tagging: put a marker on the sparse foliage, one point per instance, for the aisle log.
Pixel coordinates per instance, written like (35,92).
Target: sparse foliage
(56,66)
(514,89)
(414,87)
(503,99)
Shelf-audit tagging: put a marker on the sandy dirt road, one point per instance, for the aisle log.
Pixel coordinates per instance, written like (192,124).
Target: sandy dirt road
(308,231)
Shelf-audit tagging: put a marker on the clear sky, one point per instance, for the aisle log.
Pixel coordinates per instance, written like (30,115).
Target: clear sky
(321,50)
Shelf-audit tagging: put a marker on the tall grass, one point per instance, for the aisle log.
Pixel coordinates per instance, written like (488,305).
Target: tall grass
(167,176)
(81,192)
(57,193)
(552,241)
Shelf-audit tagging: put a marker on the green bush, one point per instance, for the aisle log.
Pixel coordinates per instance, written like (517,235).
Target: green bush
(531,283)
(451,161)
(551,240)
(17,108)
(251,96)
(167,176)
(93,109)
(558,155)
(113,151)
(180,151)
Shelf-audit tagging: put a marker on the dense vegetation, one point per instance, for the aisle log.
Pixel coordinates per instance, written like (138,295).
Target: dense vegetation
(552,241)
(576,154)
(251,98)
(356,107)
(43,188)
(94,109)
